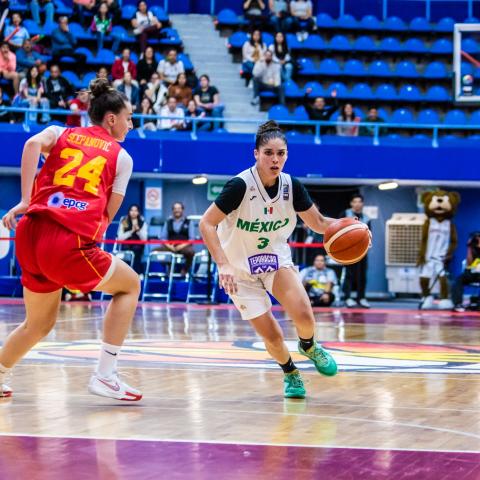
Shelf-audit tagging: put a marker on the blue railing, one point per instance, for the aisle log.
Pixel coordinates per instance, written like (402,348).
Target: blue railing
(434,129)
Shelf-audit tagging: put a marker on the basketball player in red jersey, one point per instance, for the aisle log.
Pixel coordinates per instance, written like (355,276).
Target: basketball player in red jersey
(67,209)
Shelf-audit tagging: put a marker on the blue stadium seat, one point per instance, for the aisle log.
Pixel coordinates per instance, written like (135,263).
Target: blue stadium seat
(16,6)
(279,112)
(87,78)
(383,114)
(340,43)
(422,136)
(406,69)
(329,66)
(364,44)
(354,67)
(237,39)
(379,68)
(32,27)
(370,22)
(390,44)
(437,93)
(172,38)
(475,118)
(466,68)
(442,45)
(128,12)
(62,9)
(340,87)
(409,93)
(292,90)
(228,17)
(395,24)
(267,38)
(347,21)
(121,33)
(85,51)
(420,24)
(386,91)
(306,67)
(445,25)
(134,57)
(313,42)
(471,20)
(160,13)
(300,114)
(103,57)
(362,91)
(402,115)
(317,89)
(78,32)
(72,77)
(293,43)
(435,70)
(414,45)
(187,63)
(428,116)
(324,20)
(455,117)
(469,45)
(158,57)
(48,28)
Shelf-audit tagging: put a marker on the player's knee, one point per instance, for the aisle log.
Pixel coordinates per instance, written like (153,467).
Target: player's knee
(275,339)
(39,329)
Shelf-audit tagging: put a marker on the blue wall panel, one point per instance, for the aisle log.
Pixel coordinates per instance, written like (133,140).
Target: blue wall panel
(365,7)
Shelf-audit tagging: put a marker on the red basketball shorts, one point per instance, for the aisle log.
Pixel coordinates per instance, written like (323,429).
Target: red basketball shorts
(52,257)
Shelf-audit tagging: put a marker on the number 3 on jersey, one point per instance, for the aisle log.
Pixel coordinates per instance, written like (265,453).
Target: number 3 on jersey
(90,172)
(263,242)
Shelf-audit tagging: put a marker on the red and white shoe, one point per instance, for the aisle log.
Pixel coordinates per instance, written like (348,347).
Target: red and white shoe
(5,391)
(113,387)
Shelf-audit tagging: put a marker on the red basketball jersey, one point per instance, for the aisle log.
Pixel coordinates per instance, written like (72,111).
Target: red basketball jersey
(75,183)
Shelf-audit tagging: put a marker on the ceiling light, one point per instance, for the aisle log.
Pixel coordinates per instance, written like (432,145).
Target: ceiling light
(388,186)
(199,180)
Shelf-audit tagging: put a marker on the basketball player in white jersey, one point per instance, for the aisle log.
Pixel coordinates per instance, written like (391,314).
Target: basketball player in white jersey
(246,231)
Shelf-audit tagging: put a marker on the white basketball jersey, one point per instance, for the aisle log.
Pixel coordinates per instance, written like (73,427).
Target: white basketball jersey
(438,239)
(254,236)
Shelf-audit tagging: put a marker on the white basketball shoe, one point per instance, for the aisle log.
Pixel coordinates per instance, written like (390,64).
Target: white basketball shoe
(113,387)
(5,391)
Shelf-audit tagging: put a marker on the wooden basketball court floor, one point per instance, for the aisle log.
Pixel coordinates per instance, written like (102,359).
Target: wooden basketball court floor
(405,404)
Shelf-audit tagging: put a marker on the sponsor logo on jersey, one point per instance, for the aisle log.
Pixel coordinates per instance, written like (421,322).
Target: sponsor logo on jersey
(258,226)
(58,200)
(268,210)
(286,192)
(263,263)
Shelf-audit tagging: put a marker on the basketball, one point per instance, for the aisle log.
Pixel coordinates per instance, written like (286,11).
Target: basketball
(347,240)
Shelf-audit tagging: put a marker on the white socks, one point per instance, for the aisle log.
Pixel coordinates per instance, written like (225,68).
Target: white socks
(4,371)
(107,364)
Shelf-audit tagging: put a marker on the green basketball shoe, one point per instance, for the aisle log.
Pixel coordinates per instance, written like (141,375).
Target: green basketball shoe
(323,361)
(293,385)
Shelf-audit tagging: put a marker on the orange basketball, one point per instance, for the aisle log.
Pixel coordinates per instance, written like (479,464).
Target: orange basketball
(347,240)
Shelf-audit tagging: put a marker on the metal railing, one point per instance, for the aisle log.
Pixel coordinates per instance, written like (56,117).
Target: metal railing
(316,126)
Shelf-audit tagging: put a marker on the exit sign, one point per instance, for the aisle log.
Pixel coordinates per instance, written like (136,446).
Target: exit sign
(214,189)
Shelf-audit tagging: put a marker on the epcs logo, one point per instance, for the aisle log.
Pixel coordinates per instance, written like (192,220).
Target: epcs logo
(58,200)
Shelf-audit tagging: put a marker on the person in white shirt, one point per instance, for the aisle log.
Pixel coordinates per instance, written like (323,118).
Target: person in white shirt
(267,76)
(157,92)
(301,20)
(319,281)
(145,24)
(170,68)
(169,112)
(252,51)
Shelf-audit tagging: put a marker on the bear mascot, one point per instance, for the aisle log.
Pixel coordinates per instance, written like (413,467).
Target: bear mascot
(439,241)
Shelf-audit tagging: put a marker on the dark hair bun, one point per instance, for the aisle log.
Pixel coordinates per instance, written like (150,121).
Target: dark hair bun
(270,126)
(99,87)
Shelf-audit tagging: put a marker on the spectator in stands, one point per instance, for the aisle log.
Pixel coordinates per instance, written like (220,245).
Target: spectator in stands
(347,115)
(254,12)
(281,55)
(207,98)
(4,9)
(178,227)
(122,65)
(103,73)
(181,91)
(267,77)
(78,106)
(131,91)
(58,89)
(133,227)
(79,8)
(15,34)
(101,26)
(194,112)
(301,20)
(318,111)
(253,51)
(356,274)
(471,274)
(171,112)
(5,117)
(146,67)
(31,94)
(169,68)
(27,57)
(49,8)
(319,281)
(279,13)
(114,11)
(8,66)
(372,117)
(64,42)
(146,108)
(157,92)
(145,24)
